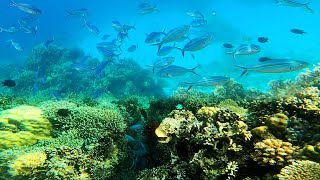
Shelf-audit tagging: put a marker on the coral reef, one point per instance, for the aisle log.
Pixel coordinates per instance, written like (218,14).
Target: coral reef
(23,125)
(273,152)
(300,170)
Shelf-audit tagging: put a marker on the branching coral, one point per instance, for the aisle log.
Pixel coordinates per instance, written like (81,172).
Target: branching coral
(273,152)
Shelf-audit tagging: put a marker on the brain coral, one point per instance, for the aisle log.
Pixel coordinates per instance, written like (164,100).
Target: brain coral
(23,125)
(273,152)
(301,170)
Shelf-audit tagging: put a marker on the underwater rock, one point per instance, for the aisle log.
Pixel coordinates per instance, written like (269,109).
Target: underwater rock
(273,152)
(23,125)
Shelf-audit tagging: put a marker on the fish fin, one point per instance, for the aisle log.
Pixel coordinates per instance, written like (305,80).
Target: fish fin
(163,31)
(182,53)
(306,6)
(244,73)
(13,3)
(189,88)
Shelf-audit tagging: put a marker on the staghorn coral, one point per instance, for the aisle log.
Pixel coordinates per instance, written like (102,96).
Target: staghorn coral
(273,152)
(23,125)
(300,170)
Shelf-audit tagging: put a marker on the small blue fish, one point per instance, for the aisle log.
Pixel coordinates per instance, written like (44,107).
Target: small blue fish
(129,138)
(179,106)
(16,45)
(172,71)
(197,23)
(137,127)
(27,8)
(132,48)
(105,37)
(48,42)
(99,70)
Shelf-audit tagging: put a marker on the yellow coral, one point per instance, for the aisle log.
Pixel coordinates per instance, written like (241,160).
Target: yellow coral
(23,125)
(300,170)
(278,122)
(26,164)
(233,106)
(207,112)
(273,152)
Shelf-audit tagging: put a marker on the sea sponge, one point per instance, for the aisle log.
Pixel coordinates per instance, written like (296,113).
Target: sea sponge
(273,152)
(301,170)
(23,125)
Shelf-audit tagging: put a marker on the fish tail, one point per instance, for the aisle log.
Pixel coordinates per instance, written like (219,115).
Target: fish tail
(244,73)
(306,6)
(182,53)
(192,70)
(189,88)
(13,3)
(163,31)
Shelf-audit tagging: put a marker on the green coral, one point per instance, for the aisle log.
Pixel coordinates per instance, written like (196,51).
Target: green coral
(300,170)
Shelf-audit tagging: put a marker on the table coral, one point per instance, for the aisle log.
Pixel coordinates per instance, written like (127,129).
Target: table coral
(23,125)
(273,152)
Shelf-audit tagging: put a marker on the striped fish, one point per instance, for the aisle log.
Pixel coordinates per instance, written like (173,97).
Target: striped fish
(275,66)
(208,81)
(295,4)
(162,63)
(174,35)
(173,70)
(197,43)
(245,49)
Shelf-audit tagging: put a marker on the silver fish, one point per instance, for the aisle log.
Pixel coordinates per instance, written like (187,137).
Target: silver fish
(145,8)
(208,81)
(197,43)
(81,13)
(162,63)
(172,71)
(174,35)
(165,50)
(11,29)
(197,23)
(117,26)
(92,28)
(245,49)
(195,14)
(27,8)
(293,3)
(154,37)
(132,48)
(275,66)
(16,45)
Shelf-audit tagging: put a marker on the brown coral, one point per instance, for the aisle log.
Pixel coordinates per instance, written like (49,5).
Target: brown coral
(273,152)
(301,170)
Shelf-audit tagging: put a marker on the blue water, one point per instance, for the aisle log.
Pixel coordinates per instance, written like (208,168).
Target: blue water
(234,20)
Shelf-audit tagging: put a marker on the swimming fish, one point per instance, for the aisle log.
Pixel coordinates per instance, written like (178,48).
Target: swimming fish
(154,37)
(117,26)
(263,39)
(16,45)
(245,49)
(80,13)
(275,66)
(208,81)
(137,127)
(132,48)
(27,8)
(195,14)
(48,42)
(162,63)
(179,106)
(165,50)
(297,31)
(197,43)
(11,29)
(227,45)
(92,28)
(197,23)
(174,35)
(9,83)
(145,8)
(293,3)
(172,71)
(105,37)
